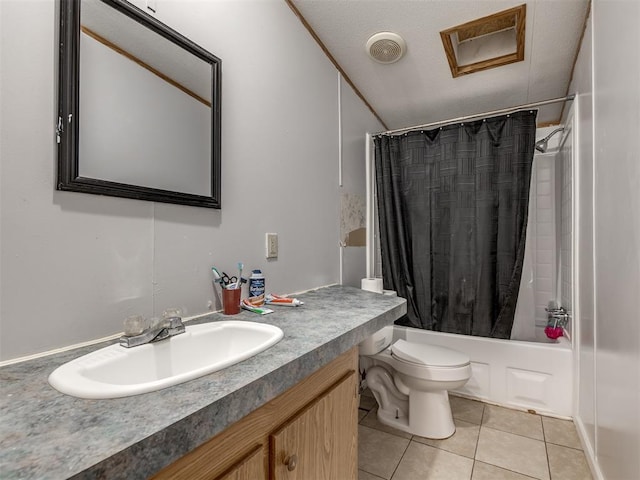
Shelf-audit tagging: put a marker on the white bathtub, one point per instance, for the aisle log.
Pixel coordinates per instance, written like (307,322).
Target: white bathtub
(522,375)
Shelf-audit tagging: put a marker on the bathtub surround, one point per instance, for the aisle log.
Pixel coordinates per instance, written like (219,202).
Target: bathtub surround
(541,274)
(452,227)
(566,237)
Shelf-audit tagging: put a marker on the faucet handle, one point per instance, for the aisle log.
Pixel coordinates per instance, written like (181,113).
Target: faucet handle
(554,311)
(172,317)
(154,323)
(171,313)
(134,325)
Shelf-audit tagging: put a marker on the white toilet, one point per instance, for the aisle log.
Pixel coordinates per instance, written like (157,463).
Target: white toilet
(410,382)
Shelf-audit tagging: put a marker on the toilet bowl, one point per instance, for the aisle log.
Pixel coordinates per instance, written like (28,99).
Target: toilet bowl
(410,383)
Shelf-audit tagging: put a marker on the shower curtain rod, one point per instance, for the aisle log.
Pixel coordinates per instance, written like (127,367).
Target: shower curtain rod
(480,115)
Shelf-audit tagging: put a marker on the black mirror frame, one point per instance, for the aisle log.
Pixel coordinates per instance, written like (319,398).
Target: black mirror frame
(69,105)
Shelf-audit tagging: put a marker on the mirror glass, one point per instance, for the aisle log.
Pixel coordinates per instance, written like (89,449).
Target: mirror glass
(142,118)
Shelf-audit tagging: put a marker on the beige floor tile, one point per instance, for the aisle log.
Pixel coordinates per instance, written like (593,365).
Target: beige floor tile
(367,403)
(467,410)
(422,462)
(561,432)
(567,463)
(513,421)
(371,420)
(484,471)
(513,452)
(463,442)
(379,452)
(362,475)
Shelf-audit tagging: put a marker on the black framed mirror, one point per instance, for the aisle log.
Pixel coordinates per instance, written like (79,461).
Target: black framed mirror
(138,107)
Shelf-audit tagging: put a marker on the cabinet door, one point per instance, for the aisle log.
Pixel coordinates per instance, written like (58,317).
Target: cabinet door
(249,468)
(205,464)
(321,441)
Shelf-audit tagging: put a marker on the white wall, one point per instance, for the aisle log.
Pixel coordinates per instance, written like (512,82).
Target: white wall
(607,76)
(617,235)
(74,265)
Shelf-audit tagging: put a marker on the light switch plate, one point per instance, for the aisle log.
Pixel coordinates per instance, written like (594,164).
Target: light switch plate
(272,245)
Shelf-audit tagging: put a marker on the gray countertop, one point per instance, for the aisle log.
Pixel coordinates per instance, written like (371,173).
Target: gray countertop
(48,435)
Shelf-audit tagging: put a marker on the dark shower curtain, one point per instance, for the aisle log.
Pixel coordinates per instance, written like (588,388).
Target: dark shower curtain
(452,208)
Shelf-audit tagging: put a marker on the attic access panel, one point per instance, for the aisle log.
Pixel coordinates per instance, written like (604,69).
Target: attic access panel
(487,42)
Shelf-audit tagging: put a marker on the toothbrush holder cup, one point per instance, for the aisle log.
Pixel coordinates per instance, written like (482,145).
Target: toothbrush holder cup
(231,301)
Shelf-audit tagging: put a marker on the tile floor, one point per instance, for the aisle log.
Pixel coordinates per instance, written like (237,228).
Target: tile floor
(490,443)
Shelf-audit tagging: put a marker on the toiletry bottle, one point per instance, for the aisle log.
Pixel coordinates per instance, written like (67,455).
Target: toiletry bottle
(256,288)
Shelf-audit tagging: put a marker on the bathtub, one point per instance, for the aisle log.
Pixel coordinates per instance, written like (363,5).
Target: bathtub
(522,375)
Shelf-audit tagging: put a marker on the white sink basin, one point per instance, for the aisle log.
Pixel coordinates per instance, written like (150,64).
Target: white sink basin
(116,371)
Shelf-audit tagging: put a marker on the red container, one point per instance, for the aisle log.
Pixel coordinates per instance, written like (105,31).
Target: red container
(231,301)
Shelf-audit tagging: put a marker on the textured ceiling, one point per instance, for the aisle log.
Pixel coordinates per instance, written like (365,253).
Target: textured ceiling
(420,88)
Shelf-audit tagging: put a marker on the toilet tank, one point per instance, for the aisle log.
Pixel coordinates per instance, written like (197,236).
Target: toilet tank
(377,342)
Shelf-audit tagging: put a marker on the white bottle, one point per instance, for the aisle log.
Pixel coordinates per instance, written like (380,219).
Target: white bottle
(256,288)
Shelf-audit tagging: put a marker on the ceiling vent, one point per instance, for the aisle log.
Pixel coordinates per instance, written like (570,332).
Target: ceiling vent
(487,42)
(386,47)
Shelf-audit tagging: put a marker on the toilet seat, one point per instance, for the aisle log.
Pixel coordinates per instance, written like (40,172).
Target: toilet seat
(431,363)
(431,356)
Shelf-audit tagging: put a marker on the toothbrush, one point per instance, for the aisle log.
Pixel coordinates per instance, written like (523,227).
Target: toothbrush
(216,275)
(240,267)
(217,279)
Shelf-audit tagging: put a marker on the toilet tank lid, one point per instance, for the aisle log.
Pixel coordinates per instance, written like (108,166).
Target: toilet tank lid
(428,354)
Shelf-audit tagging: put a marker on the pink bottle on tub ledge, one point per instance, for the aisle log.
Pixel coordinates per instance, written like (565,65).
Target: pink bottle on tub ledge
(553,332)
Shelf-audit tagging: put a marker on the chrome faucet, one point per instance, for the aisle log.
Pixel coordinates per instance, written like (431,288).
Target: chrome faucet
(558,316)
(167,327)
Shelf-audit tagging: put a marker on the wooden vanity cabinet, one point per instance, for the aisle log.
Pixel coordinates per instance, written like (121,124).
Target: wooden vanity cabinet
(250,467)
(309,432)
(319,442)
